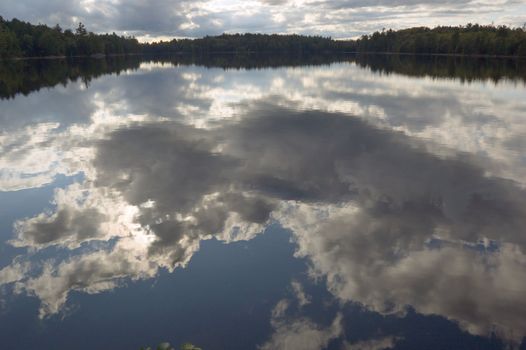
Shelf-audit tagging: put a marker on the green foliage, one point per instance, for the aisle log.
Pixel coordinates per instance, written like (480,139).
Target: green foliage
(246,43)
(8,41)
(22,39)
(472,39)
(50,43)
(469,40)
(19,38)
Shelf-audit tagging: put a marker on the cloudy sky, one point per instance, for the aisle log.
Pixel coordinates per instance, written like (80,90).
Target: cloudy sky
(153,19)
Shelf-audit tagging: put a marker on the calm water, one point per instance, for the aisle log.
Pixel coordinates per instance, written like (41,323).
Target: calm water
(243,203)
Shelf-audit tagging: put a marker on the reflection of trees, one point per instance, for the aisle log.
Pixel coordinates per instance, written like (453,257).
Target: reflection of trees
(464,68)
(251,60)
(31,75)
(28,76)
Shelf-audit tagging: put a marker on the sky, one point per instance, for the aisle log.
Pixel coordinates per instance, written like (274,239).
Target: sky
(150,20)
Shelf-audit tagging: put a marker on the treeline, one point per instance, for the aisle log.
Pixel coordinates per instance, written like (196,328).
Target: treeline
(464,40)
(22,39)
(243,43)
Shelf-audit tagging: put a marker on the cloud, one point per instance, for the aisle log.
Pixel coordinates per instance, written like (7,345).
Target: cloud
(89,273)
(300,333)
(346,4)
(13,273)
(385,261)
(303,333)
(342,18)
(373,344)
(194,192)
(302,298)
(103,15)
(70,223)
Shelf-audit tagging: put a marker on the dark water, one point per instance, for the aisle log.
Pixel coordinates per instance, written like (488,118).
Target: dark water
(350,203)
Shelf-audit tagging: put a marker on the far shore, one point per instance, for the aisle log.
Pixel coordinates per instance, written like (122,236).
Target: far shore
(182,53)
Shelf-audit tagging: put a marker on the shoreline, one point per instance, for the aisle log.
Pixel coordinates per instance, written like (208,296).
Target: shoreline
(103,56)
(387,53)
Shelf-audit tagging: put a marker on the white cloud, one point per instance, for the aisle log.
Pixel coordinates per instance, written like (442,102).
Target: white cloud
(302,298)
(373,344)
(13,273)
(302,333)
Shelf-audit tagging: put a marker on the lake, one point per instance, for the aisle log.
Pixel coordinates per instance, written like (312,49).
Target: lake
(353,202)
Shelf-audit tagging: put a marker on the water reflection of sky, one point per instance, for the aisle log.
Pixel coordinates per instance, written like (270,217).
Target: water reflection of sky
(393,209)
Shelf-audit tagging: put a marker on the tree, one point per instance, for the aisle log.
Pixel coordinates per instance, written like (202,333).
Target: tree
(81,30)
(8,43)
(51,44)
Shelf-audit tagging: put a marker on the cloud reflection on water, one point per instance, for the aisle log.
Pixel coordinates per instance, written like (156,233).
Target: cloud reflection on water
(389,212)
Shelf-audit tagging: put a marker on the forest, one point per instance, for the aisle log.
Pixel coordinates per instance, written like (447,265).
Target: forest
(22,39)
(472,39)
(243,43)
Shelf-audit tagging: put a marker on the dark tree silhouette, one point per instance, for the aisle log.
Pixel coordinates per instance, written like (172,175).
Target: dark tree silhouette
(81,30)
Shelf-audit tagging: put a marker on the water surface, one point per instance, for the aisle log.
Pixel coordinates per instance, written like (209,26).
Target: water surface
(303,203)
